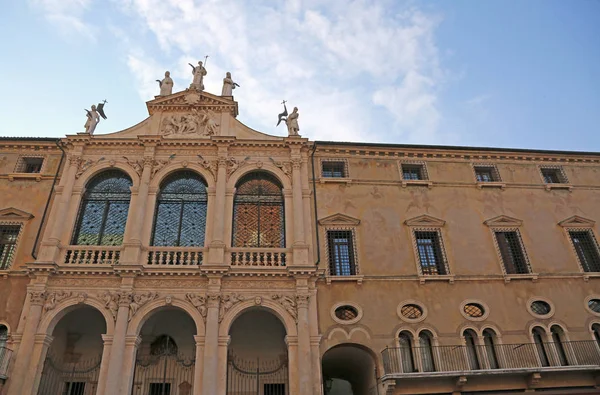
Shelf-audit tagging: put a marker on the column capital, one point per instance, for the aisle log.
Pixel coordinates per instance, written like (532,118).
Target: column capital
(315,340)
(224,341)
(291,340)
(37,297)
(107,339)
(302,301)
(133,340)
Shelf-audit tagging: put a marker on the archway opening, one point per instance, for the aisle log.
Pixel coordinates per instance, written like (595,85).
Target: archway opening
(166,355)
(257,361)
(349,369)
(72,364)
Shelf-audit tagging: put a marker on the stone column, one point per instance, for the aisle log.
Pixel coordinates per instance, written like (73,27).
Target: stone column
(49,248)
(222,361)
(292,344)
(40,350)
(132,342)
(198,367)
(304,359)
(102,376)
(216,246)
(115,365)
(24,362)
(315,341)
(209,379)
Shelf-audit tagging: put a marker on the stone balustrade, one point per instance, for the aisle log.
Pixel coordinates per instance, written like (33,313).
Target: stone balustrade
(175,256)
(92,255)
(259,257)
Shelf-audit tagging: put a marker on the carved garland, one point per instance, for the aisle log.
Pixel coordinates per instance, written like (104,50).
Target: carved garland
(114,300)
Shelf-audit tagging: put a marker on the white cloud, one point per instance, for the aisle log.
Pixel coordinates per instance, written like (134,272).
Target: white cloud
(67,16)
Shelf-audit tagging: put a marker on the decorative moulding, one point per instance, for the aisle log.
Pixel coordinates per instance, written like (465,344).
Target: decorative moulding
(12,213)
(503,220)
(425,221)
(577,222)
(339,219)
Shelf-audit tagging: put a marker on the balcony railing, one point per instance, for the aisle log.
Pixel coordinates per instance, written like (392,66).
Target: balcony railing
(92,255)
(259,257)
(419,361)
(5,358)
(174,256)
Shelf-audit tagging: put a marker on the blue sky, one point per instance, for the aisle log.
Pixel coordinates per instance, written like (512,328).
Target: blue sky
(507,73)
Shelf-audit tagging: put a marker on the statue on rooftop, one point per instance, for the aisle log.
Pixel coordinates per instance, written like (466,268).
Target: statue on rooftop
(228,85)
(198,72)
(92,117)
(166,85)
(291,120)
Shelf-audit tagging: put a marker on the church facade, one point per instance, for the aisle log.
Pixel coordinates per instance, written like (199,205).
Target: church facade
(190,254)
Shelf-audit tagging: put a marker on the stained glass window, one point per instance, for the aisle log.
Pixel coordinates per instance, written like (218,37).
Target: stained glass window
(180,218)
(103,212)
(258,216)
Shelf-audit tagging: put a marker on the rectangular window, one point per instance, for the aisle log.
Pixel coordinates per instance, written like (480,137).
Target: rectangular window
(431,256)
(160,389)
(341,253)
(74,388)
(274,389)
(334,169)
(413,172)
(553,176)
(513,256)
(486,174)
(587,251)
(8,244)
(29,165)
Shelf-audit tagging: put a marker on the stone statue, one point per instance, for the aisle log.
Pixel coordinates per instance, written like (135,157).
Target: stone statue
(198,72)
(93,117)
(228,85)
(292,123)
(166,85)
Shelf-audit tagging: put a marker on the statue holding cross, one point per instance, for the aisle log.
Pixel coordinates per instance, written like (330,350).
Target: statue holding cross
(198,72)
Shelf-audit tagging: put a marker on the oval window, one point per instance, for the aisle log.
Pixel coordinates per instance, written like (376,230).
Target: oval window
(411,311)
(346,313)
(540,307)
(474,310)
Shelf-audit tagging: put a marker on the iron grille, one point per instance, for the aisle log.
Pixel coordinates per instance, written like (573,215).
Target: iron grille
(334,169)
(586,249)
(540,307)
(430,253)
(346,313)
(258,212)
(473,310)
(32,165)
(412,172)
(512,253)
(411,311)
(553,176)
(180,218)
(103,213)
(8,243)
(486,174)
(341,253)
(594,305)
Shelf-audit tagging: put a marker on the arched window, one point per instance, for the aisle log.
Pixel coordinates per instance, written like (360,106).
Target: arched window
(103,212)
(180,218)
(258,217)
(538,338)
(470,337)
(426,351)
(406,352)
(596,330)
(489,341)
(3,338)
(558,339)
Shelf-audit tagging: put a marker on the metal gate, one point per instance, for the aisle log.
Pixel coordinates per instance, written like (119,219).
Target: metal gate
(256,377)
(164,372)
(61,377)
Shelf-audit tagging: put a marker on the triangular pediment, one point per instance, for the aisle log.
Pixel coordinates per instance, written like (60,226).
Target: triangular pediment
(503,220)
(425,220)
(189,99)
(339,219)
(577,222)
(12,213)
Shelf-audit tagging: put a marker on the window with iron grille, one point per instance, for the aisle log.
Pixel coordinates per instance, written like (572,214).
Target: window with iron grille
(511,251)
(413,172)
(74,388)
(431,256)
(587,250)
(8,244)
(553,176)
(258,212)
(159,389)
(30,165)
(180,218)
(341,253)
(334,169)
(104,208)
(486,174)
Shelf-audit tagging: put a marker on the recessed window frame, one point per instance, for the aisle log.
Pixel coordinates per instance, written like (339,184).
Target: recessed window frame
(411,302)
(427,223)
(6,263)
(483,305)
(440,250)
(587,305)
(353,251)
(492,168)
(558,170)
(540,299)
(593,241)
(342,161)
(422,168)
(21,164)
(523,251)
(340,222)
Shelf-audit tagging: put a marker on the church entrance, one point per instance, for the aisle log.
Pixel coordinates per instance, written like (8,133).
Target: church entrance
(257,362)
(166,357)
(72,364)
(349,369)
